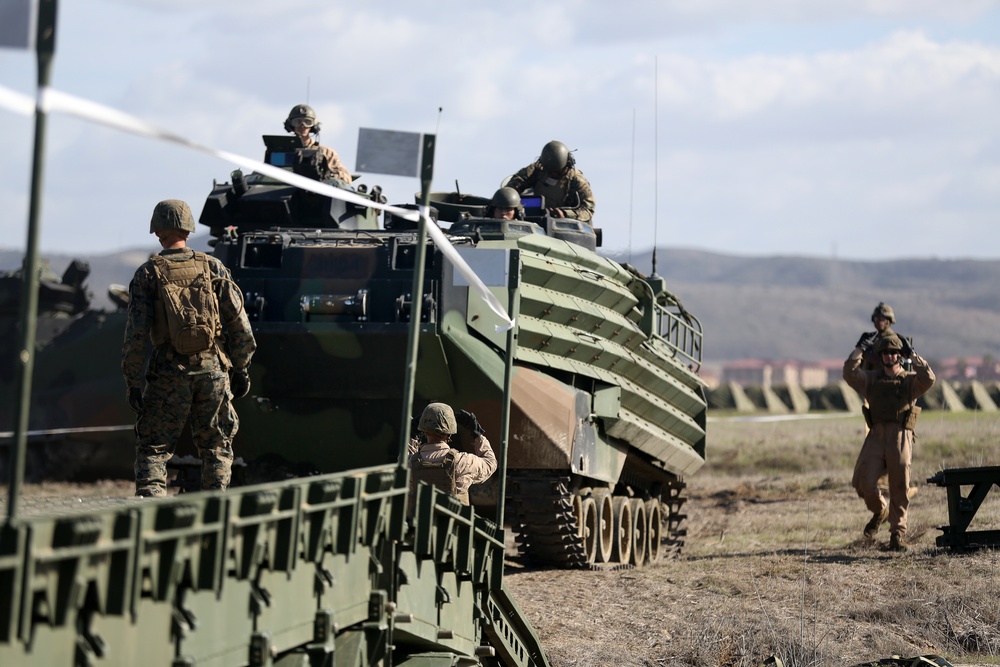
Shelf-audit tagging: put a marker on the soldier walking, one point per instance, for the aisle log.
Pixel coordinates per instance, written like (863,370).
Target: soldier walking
(892,395)
(187,306)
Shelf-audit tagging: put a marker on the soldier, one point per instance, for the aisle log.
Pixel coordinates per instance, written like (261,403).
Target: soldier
(186,304)
(506,205)
(302,121)
(892,395)
(883,318)
(433,460)
(555,176)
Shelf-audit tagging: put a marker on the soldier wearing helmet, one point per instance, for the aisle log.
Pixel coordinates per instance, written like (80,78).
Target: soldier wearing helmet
(555,176)
(891,393)
(506,205)
(184,306)
(433,460)
(303,123)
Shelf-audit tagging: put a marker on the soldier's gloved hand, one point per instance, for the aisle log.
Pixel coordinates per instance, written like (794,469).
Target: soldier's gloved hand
(469,421)
(134,398)
(867,339)
(907,350)
(239,382)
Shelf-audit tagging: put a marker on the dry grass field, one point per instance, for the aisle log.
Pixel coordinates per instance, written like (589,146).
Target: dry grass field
(776,564)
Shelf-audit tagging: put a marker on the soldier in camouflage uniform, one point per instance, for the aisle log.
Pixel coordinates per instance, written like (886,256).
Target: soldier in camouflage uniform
(888,448)
(433,460)
(555,176)
(200,385)
(303,122)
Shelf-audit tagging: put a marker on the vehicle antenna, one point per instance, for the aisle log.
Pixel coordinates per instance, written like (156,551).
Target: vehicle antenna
(631,192)
(307,89)
(656,154)
(437,128)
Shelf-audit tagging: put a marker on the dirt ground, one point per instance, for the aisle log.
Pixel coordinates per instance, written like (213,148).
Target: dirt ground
(736,597)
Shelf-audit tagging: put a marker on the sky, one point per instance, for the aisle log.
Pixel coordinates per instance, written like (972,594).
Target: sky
(856,129)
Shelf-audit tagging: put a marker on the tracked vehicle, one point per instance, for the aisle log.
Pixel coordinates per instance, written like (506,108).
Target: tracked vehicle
(80,426)
(608,412)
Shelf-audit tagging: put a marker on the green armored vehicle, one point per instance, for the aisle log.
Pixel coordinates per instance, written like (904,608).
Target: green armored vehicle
(608,412)
(80,426)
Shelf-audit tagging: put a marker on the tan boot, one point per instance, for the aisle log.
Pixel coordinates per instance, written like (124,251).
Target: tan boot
(871,528)
(896,543)
(912,491)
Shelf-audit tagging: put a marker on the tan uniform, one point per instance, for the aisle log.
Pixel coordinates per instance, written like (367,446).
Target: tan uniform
(333,163)
(469,468)
(888,447)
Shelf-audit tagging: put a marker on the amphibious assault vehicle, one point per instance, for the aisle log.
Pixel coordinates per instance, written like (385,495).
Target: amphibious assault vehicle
(608,412)
(79,426)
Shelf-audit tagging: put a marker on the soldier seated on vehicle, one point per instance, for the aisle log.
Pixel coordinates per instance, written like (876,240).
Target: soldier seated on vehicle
(433,460)
(555,177)
(506,205)
(303,123)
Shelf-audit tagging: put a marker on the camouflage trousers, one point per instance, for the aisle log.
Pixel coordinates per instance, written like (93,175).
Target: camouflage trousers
(168,401)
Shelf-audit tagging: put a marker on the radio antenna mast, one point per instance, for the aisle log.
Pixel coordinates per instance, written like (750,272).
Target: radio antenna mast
(631,193)
(656,154)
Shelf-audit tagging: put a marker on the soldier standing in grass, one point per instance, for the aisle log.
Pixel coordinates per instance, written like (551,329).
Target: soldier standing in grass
(186,304)
(891,393)
(555,176)
(433,460)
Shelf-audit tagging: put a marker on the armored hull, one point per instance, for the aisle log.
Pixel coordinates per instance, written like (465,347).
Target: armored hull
(608,412)
(79,425)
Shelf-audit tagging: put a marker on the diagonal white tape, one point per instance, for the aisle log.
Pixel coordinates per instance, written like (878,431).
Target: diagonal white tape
(53,100)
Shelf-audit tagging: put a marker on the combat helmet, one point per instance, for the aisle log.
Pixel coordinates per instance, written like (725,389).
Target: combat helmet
(889,344)
(885,311)
(555,156)
(506,198)
(301,111)
(438,418)
(171,214)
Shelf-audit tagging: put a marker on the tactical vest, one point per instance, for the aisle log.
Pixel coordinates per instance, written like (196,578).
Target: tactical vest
(557,194)
(186,313)
(889,400)
(439,473)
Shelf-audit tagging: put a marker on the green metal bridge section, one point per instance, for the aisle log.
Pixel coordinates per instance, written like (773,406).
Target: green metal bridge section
(325,570)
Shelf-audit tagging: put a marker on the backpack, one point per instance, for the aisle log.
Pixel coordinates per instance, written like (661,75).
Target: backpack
(187,315)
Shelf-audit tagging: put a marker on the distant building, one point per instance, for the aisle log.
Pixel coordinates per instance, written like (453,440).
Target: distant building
(962,369)
(774,373)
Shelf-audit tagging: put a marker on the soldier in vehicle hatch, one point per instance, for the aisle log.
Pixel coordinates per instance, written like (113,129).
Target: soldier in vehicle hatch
(555,176)
(433,460)
(303,123)
(186,304)
(892,395)
(506,205)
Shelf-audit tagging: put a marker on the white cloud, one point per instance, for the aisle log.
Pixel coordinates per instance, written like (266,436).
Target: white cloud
(766,143)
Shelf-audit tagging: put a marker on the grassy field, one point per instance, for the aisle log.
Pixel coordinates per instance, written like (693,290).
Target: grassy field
(776,564)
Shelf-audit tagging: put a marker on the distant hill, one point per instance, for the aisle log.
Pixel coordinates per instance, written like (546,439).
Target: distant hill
(773,307)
